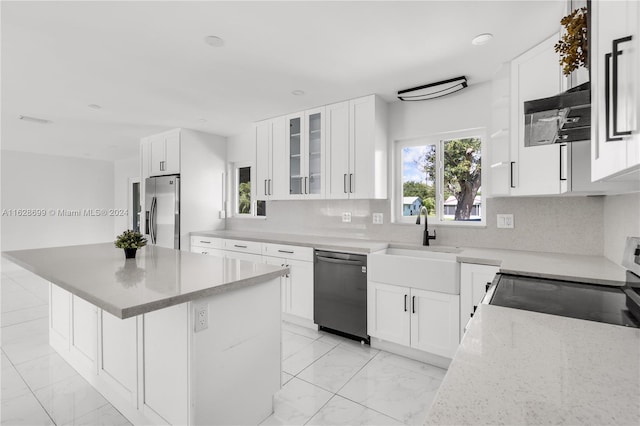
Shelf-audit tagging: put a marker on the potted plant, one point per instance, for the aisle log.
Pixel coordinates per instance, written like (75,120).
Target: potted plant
(130,241)
(573,47)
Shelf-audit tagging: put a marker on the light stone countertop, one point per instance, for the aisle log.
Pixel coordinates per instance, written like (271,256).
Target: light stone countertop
(158,278)
(520,367)
(588,269)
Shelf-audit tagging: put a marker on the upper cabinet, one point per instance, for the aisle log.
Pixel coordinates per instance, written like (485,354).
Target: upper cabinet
(357,149)
(615,85)
(538,170)
(271,170)
(305,148)
(163,153)
(335,151)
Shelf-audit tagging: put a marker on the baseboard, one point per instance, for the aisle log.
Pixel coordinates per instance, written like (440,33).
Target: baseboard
(411,353)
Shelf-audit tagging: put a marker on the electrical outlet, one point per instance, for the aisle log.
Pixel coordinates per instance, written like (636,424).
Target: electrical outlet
(378,218)
(201,317)
(505,221)
(346,217)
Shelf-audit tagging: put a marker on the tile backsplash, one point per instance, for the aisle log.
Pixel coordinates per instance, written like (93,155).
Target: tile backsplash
(545,224)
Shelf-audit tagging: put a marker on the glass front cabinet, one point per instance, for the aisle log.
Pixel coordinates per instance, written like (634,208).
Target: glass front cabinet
(306,154)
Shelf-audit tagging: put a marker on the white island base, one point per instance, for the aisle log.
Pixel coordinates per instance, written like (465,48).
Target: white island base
(155,369)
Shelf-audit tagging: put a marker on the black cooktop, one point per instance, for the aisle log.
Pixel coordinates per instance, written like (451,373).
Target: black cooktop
(568,299)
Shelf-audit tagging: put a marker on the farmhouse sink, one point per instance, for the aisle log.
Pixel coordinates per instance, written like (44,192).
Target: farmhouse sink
(423,269)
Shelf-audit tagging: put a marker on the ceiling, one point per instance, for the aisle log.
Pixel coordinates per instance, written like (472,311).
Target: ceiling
(147,65)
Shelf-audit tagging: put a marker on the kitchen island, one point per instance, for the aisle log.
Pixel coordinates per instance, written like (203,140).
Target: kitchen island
(170,337)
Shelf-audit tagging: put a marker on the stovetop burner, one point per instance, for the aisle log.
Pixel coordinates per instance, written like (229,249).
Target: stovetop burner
(569,299)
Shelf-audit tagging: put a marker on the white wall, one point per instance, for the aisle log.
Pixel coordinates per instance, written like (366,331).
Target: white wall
(621,220)
(202,164)
(123,170)
(35,181)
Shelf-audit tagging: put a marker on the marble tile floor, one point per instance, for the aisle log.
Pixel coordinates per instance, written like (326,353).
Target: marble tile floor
(327,380)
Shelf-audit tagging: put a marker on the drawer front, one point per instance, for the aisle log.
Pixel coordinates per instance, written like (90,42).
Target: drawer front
(210,242)
(288,252)
(243,246)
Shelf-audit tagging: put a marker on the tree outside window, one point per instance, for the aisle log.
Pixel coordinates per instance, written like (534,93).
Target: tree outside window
(446,176)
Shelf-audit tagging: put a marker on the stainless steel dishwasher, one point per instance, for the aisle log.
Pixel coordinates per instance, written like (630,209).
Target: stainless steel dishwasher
(340,293)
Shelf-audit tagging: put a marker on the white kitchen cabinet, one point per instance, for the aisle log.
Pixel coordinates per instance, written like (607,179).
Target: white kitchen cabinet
(165,362)
(297,285)
(84,332)
(357,149)
(388,316)
(271,168)
(207,245)
(305,151)
(164,153)
(59,317)
(537,170)
(616,100)
(423,320)
(474,282)
(118,361)
(434,322)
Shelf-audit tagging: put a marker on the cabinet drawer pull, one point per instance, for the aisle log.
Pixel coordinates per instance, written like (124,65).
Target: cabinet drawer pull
(239,246)
(351,183)
(486,287)
(344,183)
(205,252)
(413,304)
(270,187)
(405,303)
(286,251)
(265,187)
(205,242)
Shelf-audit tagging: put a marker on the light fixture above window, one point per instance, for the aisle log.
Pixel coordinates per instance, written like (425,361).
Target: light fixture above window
(33,119)
(433,90)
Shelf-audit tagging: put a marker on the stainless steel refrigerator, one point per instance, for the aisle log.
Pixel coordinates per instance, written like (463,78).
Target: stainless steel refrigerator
(162,211)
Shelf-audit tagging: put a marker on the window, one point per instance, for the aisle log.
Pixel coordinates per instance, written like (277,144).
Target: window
(442,175)
(245,206)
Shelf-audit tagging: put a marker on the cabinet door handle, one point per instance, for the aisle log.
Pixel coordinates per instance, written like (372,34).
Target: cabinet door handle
(205,252)
(405,303)
(239,246)
(611,91)
(344,183)
(265,187)
(270,187)
(486,287)
(474,308)
(162,167)
(511,173)
(413,304)
(563,171)
(351,183)
(306,185)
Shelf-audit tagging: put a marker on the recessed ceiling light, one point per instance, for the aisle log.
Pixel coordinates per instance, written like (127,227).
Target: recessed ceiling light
(201,120)
(482,39)
(298,92)
(33,119)
(94,106)
(214,41)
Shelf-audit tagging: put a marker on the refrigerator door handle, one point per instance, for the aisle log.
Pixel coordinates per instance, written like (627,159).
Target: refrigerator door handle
(154,225)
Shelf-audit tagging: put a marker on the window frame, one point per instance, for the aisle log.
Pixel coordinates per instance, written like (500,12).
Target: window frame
(438,140)
(236,190)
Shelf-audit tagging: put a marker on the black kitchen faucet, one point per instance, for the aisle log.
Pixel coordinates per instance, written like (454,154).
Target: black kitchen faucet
(426,237)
